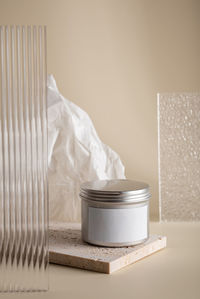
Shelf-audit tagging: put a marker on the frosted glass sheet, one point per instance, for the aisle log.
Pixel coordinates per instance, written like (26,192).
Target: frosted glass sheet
(23,159)
(179,156)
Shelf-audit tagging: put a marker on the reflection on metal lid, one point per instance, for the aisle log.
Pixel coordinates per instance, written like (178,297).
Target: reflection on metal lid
(118,191)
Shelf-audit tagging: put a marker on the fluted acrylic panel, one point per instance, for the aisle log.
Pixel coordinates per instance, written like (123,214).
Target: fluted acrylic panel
(179,156)
(23,159)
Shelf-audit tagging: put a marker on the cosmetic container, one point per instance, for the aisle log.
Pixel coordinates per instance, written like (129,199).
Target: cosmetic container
(115,213)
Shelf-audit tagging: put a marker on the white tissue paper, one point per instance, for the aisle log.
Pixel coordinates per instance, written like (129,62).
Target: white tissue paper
(76,154)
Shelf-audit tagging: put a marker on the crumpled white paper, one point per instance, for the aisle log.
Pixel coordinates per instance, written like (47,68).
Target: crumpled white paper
(76,155)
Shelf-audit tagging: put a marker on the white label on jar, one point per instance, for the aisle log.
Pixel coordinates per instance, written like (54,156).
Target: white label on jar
(118,225)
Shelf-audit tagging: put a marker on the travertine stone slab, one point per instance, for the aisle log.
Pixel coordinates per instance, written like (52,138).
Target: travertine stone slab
(67,248)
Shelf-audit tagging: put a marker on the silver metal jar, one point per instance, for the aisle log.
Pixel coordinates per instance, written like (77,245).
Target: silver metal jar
(115,213)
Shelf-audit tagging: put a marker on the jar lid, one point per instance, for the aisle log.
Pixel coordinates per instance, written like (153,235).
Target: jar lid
(116,191)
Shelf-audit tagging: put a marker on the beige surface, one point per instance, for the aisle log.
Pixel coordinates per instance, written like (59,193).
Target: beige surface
(111,57)
(67,248)
(171,273)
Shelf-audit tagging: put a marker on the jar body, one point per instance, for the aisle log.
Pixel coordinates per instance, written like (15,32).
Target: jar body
(115,225)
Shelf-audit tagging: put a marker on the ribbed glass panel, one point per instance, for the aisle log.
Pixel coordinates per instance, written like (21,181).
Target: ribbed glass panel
(23,159)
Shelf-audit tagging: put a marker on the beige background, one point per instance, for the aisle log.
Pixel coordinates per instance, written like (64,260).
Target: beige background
(111,57)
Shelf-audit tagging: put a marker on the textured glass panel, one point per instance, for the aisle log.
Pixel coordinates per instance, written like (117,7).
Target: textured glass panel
(179,156)
(23,159)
